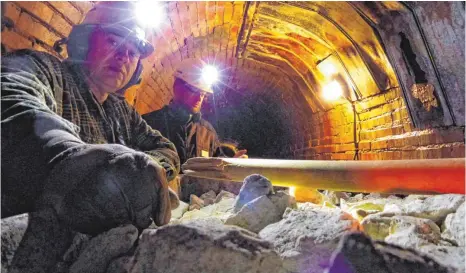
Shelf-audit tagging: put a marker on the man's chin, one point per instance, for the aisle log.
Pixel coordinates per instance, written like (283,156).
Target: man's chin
(113,86)
(195,110)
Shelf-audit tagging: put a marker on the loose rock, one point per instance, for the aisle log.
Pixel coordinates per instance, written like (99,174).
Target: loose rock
(412,232)
(224,194)
(195,202)
(13,229)
(435,207)
(357,253)
(448,256)
(180,210)
(454,226)
(262,211)
(256,215)
(208,197)
(204,247)
(305,238)
(105,247)
(254,186)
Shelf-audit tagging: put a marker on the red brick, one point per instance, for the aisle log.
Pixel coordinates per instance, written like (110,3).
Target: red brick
(238,11)
(36,29)
(67,10)
(343,156)
(60,24)
(26,23)
(15,41)
(83,6)
(201,12)
(367,156)
(11,11)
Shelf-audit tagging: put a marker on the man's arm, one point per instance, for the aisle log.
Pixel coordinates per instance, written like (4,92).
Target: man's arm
(32,131)
(154,144)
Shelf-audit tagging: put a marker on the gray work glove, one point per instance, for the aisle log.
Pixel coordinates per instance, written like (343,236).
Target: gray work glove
(101,186)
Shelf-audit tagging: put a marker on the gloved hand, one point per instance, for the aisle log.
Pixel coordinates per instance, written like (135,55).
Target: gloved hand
(102,186)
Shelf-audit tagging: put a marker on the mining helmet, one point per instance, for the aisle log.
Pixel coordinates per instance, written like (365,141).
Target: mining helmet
(190,72)
(117,17)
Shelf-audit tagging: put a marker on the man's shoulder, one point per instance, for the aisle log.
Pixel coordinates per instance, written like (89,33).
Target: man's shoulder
(35,55)
(207,125)
(155,115)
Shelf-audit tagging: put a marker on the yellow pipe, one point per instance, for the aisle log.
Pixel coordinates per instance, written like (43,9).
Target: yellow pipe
(425,176)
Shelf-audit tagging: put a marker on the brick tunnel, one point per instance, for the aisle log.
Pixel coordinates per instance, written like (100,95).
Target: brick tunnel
(401,63)
(399,69)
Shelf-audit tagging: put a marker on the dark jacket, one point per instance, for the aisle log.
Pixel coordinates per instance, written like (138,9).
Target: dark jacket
(192,135)
(47,109)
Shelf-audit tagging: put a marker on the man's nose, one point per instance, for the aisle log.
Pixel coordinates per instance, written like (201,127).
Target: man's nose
(122,54)
(201,96)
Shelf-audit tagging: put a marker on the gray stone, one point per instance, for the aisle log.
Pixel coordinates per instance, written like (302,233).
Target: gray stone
(198,186)
(221,210)
(120,265)
(363,208)
(256,215)
(180,210)
(224,194)
(435,207)
(262,211)
(103,248)
(377,226)
(208,197)
(224,206)
(412,232)
(454,227)
(356,253)
(42,245)
(253,186)
(203,247)
(195,202)
(282,200)
(305,238)
(13,229)
(450,256)
(80,241)
(335,196)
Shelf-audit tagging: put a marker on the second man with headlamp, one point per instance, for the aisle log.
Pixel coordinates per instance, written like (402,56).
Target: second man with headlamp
(181,120)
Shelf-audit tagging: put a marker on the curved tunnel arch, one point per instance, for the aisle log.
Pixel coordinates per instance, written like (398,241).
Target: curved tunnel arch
(292,37)
(405,61)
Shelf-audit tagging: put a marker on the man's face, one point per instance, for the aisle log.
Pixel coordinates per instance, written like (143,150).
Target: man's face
(111,60)
(188,96)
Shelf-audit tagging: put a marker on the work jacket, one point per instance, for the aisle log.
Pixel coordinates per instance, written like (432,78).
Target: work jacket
(192,135)
(47,109)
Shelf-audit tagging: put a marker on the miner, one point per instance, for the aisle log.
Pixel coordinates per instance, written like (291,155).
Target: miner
(71,142)
(181,120)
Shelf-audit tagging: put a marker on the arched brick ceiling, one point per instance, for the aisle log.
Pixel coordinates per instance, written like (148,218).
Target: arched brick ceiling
(279,41)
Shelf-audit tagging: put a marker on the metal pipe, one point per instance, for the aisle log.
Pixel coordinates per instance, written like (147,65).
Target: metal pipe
(425,176)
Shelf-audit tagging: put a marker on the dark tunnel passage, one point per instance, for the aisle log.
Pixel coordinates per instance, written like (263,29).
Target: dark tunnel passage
(258,124)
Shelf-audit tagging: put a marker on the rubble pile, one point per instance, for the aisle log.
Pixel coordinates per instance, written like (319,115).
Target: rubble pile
(263,229)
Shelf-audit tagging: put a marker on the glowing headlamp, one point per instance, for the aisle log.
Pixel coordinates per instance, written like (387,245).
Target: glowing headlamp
(209,74)
(150,13)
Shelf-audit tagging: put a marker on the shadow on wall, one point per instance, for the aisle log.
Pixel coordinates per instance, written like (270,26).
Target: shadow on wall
(257,124)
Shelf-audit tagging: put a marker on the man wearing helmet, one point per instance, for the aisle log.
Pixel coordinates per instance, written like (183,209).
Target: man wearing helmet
(181,120)
(71,142)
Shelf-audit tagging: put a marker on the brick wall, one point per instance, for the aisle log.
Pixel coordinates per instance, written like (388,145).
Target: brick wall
(38,25)
(384,132)
(207,30)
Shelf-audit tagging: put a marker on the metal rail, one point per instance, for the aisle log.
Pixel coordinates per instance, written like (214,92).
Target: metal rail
(426,176)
